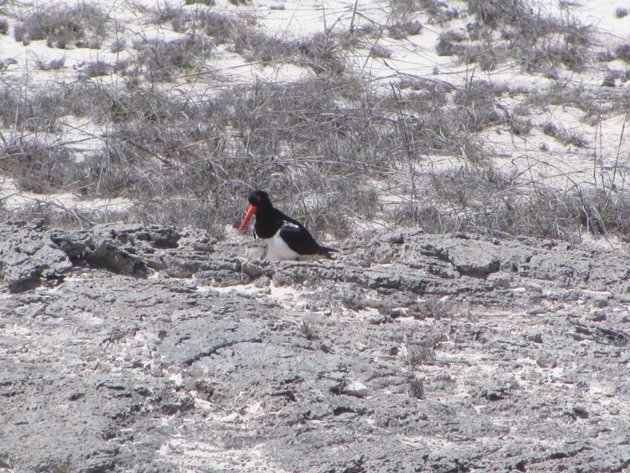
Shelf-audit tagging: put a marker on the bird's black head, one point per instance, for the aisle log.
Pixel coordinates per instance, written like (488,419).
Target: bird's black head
(259,199)
(259,204)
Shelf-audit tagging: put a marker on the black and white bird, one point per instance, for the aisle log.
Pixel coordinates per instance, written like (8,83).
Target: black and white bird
(286,238)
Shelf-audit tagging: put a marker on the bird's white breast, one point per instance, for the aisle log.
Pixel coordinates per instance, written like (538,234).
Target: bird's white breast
(278,250)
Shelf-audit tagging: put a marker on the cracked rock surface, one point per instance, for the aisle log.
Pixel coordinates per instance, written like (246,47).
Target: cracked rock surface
(132,348)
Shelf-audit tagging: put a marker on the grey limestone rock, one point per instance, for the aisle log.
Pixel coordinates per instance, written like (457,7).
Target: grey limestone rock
(26,259)
(206,364)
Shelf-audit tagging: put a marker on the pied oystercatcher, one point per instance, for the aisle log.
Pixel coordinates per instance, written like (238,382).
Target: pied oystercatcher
(286,238)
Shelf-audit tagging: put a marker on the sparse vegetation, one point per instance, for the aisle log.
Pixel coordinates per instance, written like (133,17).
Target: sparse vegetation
(36,166)
(174,152)
(419,354)
(83,25)
(621,12)
(403,29)
(404,7)
(25,112)
(605,104)
(160,60)
(438,10)
(450,43)
(4,63)
(623,52)
(96,69)
(416,387)
(307,330)
(118,45)
(421,349)
(318,144)
(433,308)
(380,51)
(514,31)
(323,52)
(52,65)
(564,136)
(481,199)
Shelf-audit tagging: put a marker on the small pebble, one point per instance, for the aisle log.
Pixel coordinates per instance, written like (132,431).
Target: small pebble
(536,310)
(598,316)
(356,389)
(535,337)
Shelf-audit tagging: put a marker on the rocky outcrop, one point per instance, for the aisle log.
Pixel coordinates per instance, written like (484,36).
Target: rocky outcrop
(30,256)
(26,258)
(403,354)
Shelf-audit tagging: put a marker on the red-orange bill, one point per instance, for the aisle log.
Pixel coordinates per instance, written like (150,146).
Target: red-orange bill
(248,216)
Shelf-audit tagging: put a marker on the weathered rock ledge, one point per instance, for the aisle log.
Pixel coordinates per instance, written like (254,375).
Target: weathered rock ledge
(133,348)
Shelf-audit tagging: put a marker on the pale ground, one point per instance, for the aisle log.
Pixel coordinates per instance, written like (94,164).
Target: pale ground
(606,159)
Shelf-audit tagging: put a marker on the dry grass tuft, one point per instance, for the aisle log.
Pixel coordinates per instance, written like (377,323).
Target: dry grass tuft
(402,29)
(208,3)
(37,167)
(623,52)
(160,60)
(96,69)
(481,199)
(83,26)
(564,136)
(52,65)
(513,31)
(621,12)
(25,111)
(324,53)
(438,10)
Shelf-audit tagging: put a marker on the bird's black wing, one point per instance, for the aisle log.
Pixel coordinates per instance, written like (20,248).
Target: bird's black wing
(286,218)
(298,238)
